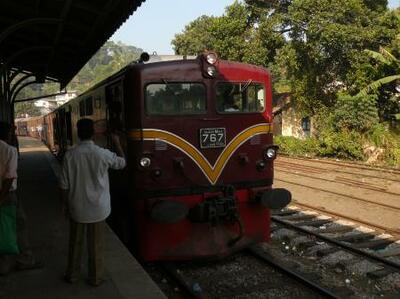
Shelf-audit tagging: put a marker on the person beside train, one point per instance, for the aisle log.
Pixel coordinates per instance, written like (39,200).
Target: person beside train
(8,196)
(84,185)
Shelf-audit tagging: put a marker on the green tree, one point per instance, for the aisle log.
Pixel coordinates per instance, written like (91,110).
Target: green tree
(386,87)
(26,108)
(381,75)
(239,34)
(386,58)
(195,38)
(325,38)
(355,113)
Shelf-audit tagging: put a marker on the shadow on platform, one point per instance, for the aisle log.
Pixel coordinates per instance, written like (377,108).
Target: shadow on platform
(48,231)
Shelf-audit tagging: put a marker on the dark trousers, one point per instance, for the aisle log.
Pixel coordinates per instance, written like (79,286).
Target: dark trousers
(25,257)
(95,246)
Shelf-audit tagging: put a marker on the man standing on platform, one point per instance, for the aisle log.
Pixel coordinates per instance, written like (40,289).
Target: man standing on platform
(85,193)
(8,196)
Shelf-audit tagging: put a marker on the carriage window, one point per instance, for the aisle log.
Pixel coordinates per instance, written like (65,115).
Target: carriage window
(89,106)
(82,108)
(243,97)
(170,98)
(86,107)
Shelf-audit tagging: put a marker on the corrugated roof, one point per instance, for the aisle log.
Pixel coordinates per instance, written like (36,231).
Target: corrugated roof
(55,38)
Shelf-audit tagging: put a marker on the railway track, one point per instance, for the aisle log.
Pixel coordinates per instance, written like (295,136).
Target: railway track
(313,167)
(365,243)
(380,228)
(347,164)
(250,274)
(340,180)
(393,207)
(347,246)
(311,255)
(370,198)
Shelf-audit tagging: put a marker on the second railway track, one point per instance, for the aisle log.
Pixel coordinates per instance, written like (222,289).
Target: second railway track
(309,256)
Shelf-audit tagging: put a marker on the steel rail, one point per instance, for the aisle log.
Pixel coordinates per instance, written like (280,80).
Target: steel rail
(170,268)
(393,265)
(345,164)
(395,232)
(286,270)
(350,183)
(319,169)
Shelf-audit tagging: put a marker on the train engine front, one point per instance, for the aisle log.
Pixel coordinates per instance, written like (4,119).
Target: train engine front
(200,157)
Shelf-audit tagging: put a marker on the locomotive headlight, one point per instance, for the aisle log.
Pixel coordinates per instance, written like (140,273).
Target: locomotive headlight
(270,153)
(145,162)
(211,58)
(211,71)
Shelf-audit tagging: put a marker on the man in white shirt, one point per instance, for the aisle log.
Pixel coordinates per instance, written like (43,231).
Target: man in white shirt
(86,195)
(8,196)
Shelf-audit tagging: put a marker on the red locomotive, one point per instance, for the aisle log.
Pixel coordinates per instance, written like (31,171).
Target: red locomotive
(200,154)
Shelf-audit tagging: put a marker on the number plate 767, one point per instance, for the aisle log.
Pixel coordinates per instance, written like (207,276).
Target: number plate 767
(212,137)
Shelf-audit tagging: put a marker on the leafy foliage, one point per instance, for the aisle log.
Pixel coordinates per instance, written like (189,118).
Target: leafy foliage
(241,34)
(357,113)
(385,86)
(326,37)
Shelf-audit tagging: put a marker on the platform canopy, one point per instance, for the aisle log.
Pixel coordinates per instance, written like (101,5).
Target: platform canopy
(55,38)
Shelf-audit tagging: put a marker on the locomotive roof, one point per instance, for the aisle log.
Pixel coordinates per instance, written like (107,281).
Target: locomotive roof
(157,64)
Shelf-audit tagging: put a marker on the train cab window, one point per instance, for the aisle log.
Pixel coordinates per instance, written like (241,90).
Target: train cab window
(243,97)
(171,98)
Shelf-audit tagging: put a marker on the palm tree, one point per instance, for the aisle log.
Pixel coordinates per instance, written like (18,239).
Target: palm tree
(385,57)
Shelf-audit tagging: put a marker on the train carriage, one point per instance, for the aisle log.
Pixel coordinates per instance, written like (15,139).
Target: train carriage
(200,152)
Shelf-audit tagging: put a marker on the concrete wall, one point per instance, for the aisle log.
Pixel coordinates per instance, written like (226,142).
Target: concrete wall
(289,123)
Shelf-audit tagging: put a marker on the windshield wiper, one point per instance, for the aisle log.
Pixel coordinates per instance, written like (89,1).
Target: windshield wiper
(246,85)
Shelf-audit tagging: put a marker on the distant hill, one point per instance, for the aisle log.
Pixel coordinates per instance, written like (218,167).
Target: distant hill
(110,58)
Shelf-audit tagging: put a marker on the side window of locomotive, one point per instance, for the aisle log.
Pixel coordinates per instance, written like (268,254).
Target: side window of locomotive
(55,130)
(86,107)
(243,97)
(82,108)
(89,106)
(68,121)
(170,98)
(115,106)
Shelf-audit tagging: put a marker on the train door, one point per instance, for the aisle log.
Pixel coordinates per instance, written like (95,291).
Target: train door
(115,107)
(120,219)
(68,123)
(56,133)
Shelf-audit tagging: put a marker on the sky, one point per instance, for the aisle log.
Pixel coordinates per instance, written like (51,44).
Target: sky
(154,24)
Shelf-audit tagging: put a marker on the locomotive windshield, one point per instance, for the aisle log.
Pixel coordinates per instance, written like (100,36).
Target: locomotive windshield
(243,97)
(171,98)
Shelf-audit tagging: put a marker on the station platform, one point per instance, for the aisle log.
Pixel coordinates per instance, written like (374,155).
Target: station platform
(48,231)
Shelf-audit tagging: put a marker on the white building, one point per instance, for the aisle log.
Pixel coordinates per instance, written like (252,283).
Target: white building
(49,104)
